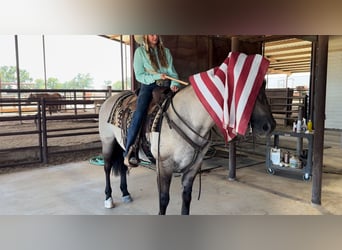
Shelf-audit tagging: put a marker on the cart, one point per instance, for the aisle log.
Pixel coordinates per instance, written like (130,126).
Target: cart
(304,154)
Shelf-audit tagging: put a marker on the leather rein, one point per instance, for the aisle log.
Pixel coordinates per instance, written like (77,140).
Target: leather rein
(197,147)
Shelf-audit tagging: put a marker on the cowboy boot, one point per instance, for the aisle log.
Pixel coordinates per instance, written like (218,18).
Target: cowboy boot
(131,161)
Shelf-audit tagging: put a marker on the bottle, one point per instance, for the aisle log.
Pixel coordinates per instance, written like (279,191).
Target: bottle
(304,126)
(293,161)
(309,126)
(299,126)
(286,157)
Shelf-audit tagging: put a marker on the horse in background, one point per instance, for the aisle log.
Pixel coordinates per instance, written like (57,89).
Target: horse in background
(52,108)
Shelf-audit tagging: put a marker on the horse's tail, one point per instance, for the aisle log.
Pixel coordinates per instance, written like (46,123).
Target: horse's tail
(118,166)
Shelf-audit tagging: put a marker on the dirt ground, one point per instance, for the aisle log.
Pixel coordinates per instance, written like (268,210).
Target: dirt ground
(58,143)
(32,139)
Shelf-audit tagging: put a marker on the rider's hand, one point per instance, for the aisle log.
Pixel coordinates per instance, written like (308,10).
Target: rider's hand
(174,88)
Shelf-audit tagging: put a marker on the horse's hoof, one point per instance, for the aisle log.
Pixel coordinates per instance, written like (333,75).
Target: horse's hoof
(126,199)
(109,203)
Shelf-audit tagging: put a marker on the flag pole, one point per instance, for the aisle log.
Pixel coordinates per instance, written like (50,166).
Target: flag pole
(170,78)
(176,80)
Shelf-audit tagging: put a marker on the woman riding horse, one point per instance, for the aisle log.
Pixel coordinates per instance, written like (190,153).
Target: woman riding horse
(183,138)
(152,64)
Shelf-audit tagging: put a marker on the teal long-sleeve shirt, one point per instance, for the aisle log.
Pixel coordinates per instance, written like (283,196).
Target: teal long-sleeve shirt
(144,71)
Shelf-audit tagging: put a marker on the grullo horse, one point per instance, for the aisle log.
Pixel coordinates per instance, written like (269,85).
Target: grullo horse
(172,151)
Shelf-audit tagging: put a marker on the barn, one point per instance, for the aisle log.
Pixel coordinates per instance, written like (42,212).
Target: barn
(66,139)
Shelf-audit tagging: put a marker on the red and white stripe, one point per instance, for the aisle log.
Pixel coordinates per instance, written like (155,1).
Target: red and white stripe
(228,92)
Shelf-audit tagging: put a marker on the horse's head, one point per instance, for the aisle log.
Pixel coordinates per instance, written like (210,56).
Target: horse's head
(31,98)
(262,121)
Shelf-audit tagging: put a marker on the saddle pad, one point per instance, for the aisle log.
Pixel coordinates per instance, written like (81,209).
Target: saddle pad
(123,108)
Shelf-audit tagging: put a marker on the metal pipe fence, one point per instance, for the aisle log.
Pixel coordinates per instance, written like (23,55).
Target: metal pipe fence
(81,106)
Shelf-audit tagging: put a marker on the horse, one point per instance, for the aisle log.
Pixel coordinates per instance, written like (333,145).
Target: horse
(52,108)
(172,151)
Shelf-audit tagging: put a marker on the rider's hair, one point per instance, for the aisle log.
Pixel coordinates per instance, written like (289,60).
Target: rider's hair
(160,51)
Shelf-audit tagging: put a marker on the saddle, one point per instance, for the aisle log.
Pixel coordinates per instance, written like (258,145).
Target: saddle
(122,113)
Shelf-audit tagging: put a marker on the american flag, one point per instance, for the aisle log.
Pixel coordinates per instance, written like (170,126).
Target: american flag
(228,92)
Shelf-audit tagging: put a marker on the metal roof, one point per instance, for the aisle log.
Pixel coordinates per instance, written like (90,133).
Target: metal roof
(287,54)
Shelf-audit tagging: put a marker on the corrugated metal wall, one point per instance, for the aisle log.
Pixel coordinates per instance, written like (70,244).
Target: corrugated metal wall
(334,84)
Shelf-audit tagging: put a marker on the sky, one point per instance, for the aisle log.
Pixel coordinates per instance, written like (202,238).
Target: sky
(66,56)
(291,81)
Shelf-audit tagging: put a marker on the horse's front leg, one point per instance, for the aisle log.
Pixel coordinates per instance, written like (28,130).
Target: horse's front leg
(50,109)
(187,183)
(163,181)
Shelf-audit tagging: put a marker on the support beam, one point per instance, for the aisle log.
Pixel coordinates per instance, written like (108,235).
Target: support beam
(132,49)
(319,121)
(18,73)
(232,145)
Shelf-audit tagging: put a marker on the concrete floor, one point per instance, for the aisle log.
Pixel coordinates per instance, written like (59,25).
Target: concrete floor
(78,189)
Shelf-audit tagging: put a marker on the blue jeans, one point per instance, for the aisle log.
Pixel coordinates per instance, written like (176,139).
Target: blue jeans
(144,99)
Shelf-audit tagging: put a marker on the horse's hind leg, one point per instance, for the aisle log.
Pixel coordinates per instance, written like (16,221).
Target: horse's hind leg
(107,152)
(113,159)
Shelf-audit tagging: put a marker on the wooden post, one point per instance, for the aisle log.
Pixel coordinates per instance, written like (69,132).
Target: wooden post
(319,111)
(232,145)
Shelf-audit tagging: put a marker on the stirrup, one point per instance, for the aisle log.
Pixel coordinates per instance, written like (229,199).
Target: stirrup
(131,161)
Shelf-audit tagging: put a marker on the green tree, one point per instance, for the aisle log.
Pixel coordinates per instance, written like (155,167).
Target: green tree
(81,81)
(117,85)
(39,84)
(53,83)
(9,74)
(25,76)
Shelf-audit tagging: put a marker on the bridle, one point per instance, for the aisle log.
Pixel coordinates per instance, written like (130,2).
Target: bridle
(173,125)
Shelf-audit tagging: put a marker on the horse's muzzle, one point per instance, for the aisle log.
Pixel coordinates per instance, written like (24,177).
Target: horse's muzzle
(268,127)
